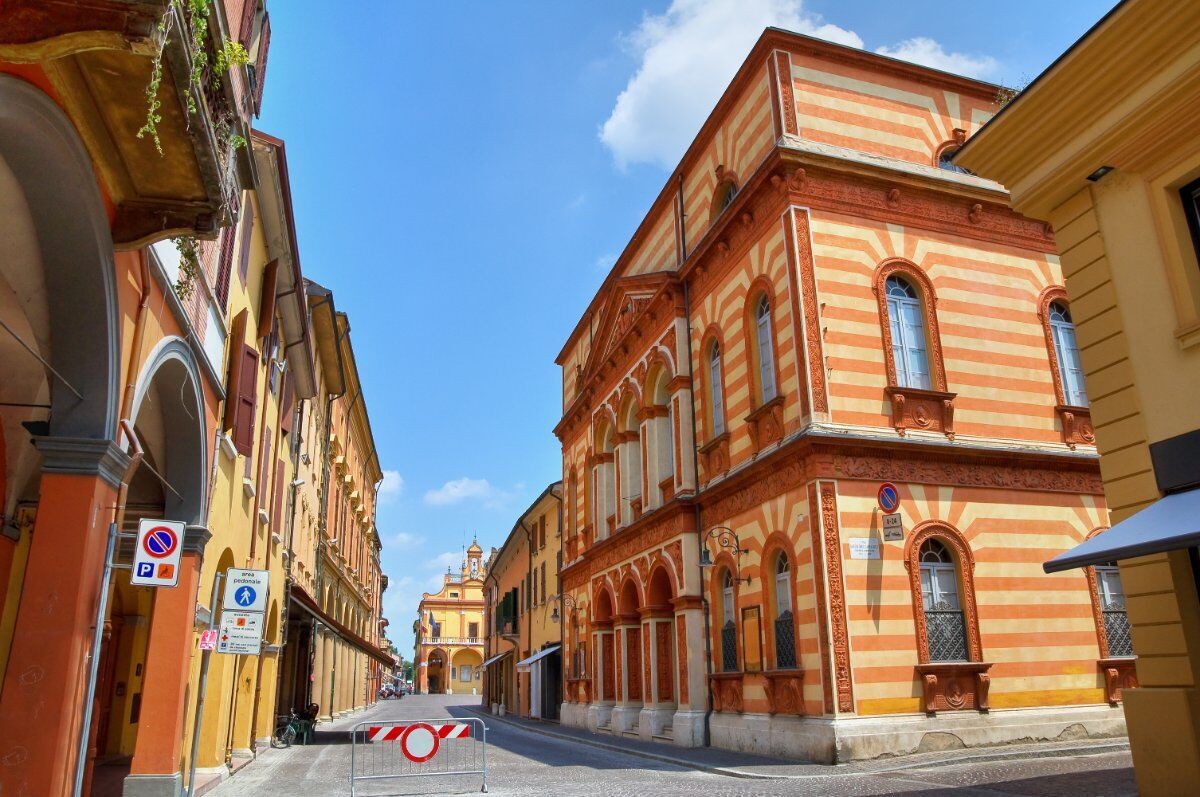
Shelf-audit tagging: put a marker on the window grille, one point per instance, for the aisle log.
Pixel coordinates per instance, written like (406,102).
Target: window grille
(785,642)
(729,647)
(1112,606)
(945,625)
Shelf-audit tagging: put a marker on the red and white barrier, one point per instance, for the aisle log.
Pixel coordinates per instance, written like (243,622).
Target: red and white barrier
(391,733)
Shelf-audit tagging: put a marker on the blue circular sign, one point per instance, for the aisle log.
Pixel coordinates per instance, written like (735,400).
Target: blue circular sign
(244,596)
(889,497)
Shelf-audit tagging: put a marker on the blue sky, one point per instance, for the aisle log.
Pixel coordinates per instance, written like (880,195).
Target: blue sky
(465,173)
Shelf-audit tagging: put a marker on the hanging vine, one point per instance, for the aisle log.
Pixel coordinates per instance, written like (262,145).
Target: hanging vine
(189,265)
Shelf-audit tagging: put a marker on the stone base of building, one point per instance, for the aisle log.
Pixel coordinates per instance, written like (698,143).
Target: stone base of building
(152,785)
(828,740)
(653,724)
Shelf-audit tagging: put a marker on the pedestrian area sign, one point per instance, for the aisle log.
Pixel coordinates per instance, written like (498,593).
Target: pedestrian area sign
(245,590)
(240,633)
(156,553)
(241,629)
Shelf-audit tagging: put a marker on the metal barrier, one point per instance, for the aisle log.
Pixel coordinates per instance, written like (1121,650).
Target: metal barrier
(441,747)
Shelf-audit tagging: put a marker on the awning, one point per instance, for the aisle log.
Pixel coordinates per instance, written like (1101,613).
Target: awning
(1169,524)
(496,658)
(524,663)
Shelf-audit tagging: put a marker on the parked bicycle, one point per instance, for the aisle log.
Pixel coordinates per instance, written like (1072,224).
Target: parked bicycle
(295,725)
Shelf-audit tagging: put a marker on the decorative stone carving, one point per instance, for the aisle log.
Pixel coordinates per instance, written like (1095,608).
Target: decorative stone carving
(1077,426)
(837,598)
(785,691)
(765,424)
(954,685)
(714,456)
(928,410)
(727,692)
(1119,673)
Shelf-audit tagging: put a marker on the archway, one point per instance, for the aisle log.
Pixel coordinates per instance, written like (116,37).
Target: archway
(629,631)
(436,671)
(466,668)
(605,667)
(660,626)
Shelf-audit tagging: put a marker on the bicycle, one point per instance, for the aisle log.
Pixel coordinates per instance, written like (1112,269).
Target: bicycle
(288,728)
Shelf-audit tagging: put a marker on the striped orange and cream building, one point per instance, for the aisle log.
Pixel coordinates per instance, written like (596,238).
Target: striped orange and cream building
(818,303)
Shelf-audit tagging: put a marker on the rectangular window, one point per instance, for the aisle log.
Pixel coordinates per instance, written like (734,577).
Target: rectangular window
(543,582)
(1190,194)
(464,673)
(473,630)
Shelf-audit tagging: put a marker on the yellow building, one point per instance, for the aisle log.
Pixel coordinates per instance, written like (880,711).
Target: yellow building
(254,467)
(335,653)
(543,657)
(1103,146)
(449,632)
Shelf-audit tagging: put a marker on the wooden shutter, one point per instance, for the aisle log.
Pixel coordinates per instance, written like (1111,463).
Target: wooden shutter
(246,27)
(247,235)
(260,68)
(233,379)
(277,511)
(287,408)
(225,265)
(264,470)
(247,399)
(266,301)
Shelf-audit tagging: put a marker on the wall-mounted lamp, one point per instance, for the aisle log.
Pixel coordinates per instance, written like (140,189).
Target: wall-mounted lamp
(727,539)
(566,600)
(1096,175)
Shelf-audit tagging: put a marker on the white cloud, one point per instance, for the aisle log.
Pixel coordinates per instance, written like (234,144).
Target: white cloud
(688,56)
(465,489)
(450,559)
(403,538)
(392,486)
(927,52)
(604,262)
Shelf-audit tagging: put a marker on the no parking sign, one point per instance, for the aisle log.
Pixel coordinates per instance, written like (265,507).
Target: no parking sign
(156,554)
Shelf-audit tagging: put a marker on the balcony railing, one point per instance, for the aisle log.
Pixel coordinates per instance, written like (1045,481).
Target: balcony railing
(456,640)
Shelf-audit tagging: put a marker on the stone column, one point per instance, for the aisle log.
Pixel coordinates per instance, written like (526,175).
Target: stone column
(47,671)
(161,732)
(629,685)
(691,685)
(604,682)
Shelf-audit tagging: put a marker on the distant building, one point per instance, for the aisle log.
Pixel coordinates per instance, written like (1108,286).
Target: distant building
(448,654)
(524,659)
(818,303)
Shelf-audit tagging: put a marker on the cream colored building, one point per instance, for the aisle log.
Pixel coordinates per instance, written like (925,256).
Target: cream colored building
(1103,146)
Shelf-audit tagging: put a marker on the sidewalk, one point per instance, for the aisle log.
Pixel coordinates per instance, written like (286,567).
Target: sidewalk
(746,765)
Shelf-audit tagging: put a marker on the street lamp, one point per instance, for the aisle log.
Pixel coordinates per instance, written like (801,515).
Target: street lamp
(566,600)
(727,539)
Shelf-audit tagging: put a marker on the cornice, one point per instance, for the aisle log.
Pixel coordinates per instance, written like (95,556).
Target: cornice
(83,457)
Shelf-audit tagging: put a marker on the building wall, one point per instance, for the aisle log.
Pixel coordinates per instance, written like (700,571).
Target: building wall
(989,459)
(507,570)
(445,645)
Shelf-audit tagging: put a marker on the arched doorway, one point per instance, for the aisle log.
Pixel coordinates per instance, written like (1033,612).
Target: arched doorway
(660,626)
(436,672)
(629,630)
(59,355)
(466,669)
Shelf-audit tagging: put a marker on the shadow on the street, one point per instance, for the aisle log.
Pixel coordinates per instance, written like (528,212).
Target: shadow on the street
(1115,782)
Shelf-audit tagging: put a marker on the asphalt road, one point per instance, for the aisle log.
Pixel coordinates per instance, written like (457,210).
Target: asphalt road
(522,761)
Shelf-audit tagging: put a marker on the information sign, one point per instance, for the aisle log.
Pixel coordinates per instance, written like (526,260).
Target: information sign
(893,527)
(208,639)
(245,590)
(240,633)
(864,548)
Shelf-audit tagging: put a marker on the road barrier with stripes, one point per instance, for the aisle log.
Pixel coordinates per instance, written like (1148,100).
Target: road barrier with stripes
(430,748)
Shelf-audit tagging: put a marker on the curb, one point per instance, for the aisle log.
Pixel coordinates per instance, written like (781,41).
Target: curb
(616,748)
(982,755)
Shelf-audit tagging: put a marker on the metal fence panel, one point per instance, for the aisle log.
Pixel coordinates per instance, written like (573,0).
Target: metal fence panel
(429,748)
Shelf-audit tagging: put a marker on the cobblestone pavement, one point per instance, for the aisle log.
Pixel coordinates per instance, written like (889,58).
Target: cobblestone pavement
(522,761)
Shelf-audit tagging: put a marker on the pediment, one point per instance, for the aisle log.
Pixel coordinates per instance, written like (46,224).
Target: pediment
(628,300)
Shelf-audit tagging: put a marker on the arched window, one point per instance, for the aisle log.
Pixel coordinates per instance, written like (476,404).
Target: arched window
(716,392)
(945,625)
(908,334)
(728,627)
(723,197)
(946,161)
(785,629)
(1066,352)
(1112,606)
(765,348)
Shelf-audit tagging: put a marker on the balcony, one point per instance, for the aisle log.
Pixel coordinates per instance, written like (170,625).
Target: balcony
(456,640)
(98,57)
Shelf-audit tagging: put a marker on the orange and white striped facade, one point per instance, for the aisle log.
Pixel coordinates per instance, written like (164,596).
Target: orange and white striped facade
(731,389)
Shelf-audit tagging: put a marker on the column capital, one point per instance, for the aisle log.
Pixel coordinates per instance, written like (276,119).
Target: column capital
(195,539)
(83,456)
